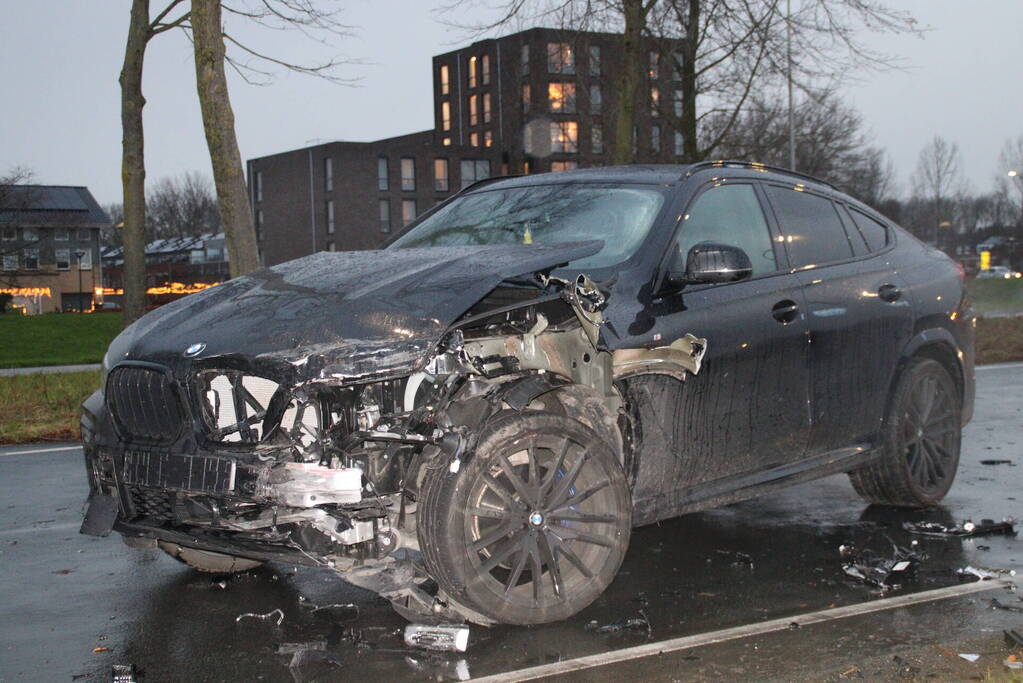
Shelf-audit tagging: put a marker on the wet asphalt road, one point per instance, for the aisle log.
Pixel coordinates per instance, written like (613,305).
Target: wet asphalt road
(66,594)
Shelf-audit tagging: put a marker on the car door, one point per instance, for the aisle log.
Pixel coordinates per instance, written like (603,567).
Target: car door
(858,315)
(746,409)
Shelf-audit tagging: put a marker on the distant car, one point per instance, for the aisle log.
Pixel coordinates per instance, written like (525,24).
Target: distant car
(528,371)
(999,272)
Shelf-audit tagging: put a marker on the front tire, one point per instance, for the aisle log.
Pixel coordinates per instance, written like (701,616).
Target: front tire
(921,439)
(534,527)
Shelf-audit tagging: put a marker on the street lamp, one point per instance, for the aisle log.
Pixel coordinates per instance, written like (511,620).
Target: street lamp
(81,307)
(1014,174)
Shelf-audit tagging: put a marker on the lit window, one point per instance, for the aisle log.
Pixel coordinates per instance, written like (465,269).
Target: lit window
(63,258)
(259,186)
(328,174)
(561,97)
(408,211)
(655,139)
(408,174)
(677,102)
(526,97)
(473,66)
(10,234)
(486,107)
(594,60)
(596,99)
(445,80)
(446,142)
(474,139)
(474,113)
(563,166)
(382,181)
(655,102)
(385,215)
(445,115)
(10,261)
(679,149)
(485,69)
(61,234)
(654,59)
(440,175)
(560,58)
(526,167)
(597,139)
(330,216)
(474,170)
(564,136)
(31,258)
(488,138)
(525,60)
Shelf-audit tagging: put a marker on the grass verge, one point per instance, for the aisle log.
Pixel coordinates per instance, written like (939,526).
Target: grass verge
(43,407)
(56,338)
(999,340)
(996,297)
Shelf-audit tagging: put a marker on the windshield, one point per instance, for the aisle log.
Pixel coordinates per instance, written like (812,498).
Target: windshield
(546,214)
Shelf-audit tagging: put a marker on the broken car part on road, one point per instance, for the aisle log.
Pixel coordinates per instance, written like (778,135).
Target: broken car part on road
(986,527)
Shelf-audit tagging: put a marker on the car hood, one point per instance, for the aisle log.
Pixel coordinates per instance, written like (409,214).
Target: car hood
(345,315)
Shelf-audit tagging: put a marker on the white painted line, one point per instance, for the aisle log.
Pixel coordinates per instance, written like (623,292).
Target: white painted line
(998,366)
(42,450)
(736,632)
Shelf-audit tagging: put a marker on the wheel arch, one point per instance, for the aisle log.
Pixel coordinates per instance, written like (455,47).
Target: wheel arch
(937,344)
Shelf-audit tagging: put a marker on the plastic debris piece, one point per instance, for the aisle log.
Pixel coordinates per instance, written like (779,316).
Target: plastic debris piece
(277,616)
(970,658)
(640,623)
(1014,662)
(292,648)
(998,604)
(998,462)
(883,573)
(442,637)
(986,527)
(984,573)
(123,673)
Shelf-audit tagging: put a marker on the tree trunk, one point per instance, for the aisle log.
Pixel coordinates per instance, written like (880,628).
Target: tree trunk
(690,143)
(218,122)
(133,165)
(628,84)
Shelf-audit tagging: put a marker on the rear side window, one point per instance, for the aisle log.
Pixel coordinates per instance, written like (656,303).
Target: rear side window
(810,227)
(874,233)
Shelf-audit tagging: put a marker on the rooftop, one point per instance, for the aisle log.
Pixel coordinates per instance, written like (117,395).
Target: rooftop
(50,205)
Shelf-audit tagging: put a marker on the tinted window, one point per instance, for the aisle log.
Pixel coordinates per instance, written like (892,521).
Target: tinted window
(730,214)
(874,233)
(810,226)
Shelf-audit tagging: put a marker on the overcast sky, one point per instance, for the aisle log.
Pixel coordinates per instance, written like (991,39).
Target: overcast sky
(60,113)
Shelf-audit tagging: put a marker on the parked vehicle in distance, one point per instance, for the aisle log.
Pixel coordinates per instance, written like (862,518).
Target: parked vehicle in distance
(1000,272)
(527,372)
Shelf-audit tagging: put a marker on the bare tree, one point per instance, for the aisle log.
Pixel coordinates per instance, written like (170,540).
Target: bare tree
(1010,178)
(184,206)
(938,181)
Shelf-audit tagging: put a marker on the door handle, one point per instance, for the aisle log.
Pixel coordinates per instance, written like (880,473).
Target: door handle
(889,293)
(785,311)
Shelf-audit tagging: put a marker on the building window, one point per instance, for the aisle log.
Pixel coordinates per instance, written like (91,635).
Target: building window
(61,234)
(655,139)
(63,258)
(259,186)
(10,261)
(679,149)
(560,58)
(594,60)
(446,142)
(29,235)
(486,107)
(654,60)
(474,170)
(445,115)
(85,260)
(596,99)
(561,97)
(474,139)
(485,69)
(330,216)
(526,97)
(677,102)
(31,258)
(385,215)
(488,138)
(408,174)
(597,139)
(10,234)
(473,66)
(84,235)
(563,166)
(259,225)
(408,211)
(655,102)
(445,79)
(525,60)
(676,66)
(331,247)
(440,175)
(382,181)
(328,174)
(564,136)
(474,110)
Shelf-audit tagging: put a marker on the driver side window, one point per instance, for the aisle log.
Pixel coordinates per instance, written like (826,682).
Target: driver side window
(730,214)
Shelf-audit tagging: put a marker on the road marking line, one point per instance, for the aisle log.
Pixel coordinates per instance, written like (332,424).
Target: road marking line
(736,632)
(998,366)
(42,450)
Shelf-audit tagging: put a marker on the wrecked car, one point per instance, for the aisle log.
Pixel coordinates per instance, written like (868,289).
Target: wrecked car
(471,420)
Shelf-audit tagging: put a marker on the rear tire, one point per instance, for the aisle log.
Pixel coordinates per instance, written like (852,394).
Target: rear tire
(534,527)
(920,440)
(206,561)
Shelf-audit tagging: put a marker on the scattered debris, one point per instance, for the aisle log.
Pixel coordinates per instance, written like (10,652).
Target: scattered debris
(350,608)
(998,604)
(986,527)
(292,648)
(970,658)
(63,571)
(443,637)
(631,624)
(739,559)
(263,617)
(123,673)
(100,650)
(882,573)
(1014,662)
(984,573)
(998,462)
(983,547)
(850,671)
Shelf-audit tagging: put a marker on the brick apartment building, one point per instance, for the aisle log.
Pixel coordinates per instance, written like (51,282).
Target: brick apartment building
(49,247)
(531,102)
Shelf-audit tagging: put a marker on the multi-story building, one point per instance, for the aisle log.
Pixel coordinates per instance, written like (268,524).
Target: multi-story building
(536,101)
(49,245)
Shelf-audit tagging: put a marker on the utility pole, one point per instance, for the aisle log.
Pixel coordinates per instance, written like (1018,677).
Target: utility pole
(81,305)
(792,118)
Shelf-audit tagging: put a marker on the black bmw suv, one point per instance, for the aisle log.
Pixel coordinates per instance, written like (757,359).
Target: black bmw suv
(530,370)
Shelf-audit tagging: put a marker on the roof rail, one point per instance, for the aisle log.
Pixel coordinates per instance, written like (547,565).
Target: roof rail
(754,166)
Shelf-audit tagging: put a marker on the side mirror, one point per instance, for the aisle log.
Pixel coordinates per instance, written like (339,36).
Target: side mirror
(710,263)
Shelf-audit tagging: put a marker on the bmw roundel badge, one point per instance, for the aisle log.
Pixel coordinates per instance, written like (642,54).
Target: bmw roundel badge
(195,349)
